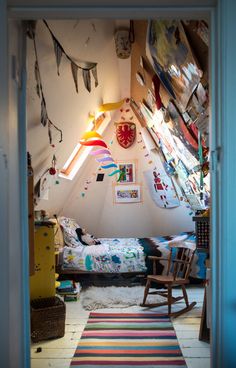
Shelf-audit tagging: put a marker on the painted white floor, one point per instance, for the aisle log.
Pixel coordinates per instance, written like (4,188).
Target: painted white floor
(58,353)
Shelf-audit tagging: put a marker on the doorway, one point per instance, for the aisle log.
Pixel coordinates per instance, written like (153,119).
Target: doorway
(87,13)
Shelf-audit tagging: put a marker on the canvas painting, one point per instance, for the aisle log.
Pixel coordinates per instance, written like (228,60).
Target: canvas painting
(161,188)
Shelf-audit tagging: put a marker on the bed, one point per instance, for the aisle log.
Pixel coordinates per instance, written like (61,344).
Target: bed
(120,255)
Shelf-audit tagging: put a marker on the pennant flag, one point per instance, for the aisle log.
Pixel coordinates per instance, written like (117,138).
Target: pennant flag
(87,79)
(104,159)
(37,78)
(95,76)
(96,142)
(111,106)
(108,166)
(92,134)
(100,152)
(44,115)
(58,53)
(74,70)
(51,125)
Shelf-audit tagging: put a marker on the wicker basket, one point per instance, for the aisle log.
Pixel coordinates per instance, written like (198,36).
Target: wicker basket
(47,318)
(202,229)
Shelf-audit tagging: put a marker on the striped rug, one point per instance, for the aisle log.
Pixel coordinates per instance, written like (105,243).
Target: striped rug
(128,340)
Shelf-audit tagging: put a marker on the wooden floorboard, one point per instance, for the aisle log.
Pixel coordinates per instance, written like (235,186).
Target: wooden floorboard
(58,353)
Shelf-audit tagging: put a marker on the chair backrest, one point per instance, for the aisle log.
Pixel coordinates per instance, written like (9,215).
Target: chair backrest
(180,258)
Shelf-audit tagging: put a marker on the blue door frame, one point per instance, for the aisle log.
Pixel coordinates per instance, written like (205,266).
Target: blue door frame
(223,82)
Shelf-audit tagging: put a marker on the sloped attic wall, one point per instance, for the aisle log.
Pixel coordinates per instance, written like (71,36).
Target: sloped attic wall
(82,40)
(96,211)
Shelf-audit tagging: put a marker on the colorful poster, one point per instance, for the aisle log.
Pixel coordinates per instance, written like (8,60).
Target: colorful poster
(161,188)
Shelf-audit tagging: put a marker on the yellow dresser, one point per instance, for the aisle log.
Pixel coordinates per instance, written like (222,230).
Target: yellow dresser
(42,283)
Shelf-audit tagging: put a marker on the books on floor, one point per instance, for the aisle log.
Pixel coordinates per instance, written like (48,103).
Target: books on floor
(69,290)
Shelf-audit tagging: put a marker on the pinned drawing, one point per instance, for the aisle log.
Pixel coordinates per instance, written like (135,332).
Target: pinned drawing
(161,188)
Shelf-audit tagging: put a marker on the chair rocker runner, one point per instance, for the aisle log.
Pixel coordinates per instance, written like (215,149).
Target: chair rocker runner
(179,264)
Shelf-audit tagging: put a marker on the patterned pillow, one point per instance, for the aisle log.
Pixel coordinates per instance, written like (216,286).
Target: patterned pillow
(69,226)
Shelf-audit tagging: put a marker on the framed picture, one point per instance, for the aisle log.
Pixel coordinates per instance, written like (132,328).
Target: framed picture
(127,193)
(127,172)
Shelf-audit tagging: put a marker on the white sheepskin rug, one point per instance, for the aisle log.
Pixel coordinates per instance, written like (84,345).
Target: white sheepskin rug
(115,297)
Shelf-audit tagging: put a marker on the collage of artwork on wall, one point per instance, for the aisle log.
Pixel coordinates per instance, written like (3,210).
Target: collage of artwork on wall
(127,191)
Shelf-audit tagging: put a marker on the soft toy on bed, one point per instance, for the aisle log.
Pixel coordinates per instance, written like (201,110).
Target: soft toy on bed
(85,238)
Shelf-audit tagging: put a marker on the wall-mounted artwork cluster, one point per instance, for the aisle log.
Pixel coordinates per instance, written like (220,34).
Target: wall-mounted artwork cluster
(173,102)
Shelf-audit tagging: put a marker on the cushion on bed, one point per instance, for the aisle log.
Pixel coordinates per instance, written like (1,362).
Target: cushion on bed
(69,227)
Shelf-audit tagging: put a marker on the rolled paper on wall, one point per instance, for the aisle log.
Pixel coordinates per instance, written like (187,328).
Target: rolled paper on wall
(111,106)
(93,134)
(100,152)
(114,172)
(108,166)
(104,159)
(95,142)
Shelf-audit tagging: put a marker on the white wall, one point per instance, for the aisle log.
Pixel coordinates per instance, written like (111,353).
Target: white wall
(96,211)
(66,108)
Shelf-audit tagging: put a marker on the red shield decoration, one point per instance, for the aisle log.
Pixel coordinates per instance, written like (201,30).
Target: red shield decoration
(125,134)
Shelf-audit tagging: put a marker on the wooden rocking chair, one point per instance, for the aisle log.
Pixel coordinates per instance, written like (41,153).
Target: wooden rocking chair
(179,264)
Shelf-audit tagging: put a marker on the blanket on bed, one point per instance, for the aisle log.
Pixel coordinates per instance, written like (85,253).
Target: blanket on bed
(118,255)
(124,255)
(158,246)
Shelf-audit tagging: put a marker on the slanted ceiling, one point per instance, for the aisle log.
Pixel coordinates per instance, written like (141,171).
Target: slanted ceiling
(91,40)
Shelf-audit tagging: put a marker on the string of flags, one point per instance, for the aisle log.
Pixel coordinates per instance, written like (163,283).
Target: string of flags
(44,118)
(89,66)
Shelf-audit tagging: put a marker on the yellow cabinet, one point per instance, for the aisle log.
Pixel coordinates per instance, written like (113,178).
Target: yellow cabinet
(42,283)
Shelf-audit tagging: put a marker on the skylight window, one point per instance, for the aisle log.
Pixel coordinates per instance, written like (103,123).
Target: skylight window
(80,153)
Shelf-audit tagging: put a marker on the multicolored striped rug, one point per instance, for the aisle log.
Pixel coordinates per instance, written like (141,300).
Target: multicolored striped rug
(128,340)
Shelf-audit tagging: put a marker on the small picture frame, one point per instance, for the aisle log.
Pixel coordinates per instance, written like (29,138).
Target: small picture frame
(127,173)
(127,193)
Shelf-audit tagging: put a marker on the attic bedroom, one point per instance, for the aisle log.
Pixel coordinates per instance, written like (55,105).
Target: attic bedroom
(119,189)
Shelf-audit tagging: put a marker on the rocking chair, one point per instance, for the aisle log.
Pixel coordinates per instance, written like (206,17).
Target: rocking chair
(179,264)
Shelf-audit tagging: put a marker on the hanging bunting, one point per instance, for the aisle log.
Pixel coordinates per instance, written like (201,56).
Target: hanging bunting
(74,70)
(50,126)
(44,119)
(59,51)
(95,75)
(37,78)
(87,79)
(44,115)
